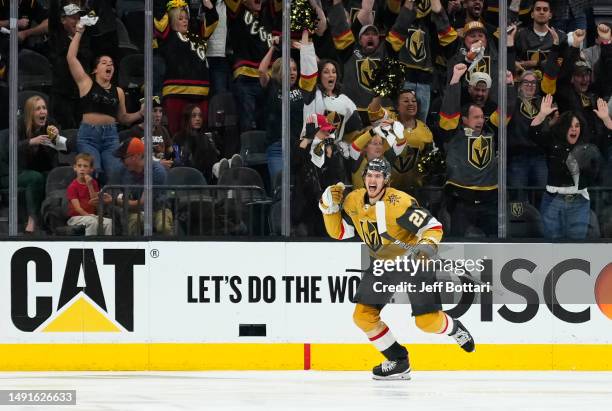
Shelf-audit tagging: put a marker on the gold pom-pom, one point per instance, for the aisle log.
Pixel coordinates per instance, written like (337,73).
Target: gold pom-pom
(303,16)
(431,161)
(389,77)
(174,4)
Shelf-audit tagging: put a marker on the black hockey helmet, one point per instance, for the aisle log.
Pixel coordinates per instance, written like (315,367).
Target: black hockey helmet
(379,164)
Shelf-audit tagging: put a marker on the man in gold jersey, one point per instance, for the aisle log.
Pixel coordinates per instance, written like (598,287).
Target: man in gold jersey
(391,223)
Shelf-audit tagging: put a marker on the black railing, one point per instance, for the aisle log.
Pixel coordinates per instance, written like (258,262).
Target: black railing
(190,210)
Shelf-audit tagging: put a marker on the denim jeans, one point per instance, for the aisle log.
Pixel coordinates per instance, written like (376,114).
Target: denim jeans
(565,216)
(423,96)
(100,142)
(526,170)
(249,97)
(274,153)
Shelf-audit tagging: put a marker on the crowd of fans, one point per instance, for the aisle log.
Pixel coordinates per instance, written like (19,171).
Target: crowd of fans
(439,130)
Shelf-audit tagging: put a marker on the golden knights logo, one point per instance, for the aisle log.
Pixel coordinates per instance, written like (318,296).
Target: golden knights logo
(423,7)
(586,100)
(483,66)
(406,161)
(370,235)
(516,209)
(365,72)
(415,44)
(538,56)
(480,151)
(334,118)
(393,199)
(529,108)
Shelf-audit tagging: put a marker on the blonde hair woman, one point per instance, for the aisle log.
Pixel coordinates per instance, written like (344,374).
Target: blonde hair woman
(186,79)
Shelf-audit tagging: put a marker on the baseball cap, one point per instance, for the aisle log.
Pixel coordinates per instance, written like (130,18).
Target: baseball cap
(72,9)
(474,25)
(156,101)
(129,147)
(582,65)
(367,27)
(479,76)
(323,124)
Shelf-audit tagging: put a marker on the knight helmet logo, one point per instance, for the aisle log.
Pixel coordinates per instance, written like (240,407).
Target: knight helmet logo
(415,43)
(480,151)
(483,66)
(365,71)
(370,235)
(406,161)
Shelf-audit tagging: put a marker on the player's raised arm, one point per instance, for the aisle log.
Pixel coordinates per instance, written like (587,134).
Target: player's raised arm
(337,224)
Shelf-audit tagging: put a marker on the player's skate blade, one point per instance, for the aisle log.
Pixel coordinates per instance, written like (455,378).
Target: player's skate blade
(463,337)
(392,370)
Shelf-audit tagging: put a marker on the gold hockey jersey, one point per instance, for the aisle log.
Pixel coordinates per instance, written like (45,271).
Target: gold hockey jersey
(389,228)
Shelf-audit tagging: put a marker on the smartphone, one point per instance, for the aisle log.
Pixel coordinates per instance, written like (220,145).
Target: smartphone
(510,28)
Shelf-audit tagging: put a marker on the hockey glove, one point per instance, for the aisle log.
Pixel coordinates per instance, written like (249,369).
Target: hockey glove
(425,250)
(332,198)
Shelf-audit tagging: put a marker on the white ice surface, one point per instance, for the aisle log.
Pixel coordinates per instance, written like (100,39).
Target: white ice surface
(314,390)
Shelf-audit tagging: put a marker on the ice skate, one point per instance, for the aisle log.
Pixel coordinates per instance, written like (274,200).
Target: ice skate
(392,370)
(463,337)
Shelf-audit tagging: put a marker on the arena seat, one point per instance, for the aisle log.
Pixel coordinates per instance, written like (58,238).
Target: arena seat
(253,147)
(228,132)
(34,71)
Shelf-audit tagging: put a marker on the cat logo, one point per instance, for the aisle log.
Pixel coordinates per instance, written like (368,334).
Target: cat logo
(83,302)
(529,109)
(355,11)
(517,209)
(365,69)
(483,66)
(334,119)
(406,161)
(415,44)
(370,235)
(480,151)
(423,7)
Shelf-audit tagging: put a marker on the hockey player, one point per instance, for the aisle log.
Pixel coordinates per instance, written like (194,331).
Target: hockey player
(390,221)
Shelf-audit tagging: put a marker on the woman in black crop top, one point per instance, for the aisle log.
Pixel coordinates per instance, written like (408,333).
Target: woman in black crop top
(102,105)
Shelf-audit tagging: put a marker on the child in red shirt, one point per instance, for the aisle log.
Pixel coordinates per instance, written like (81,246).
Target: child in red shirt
(82,196)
